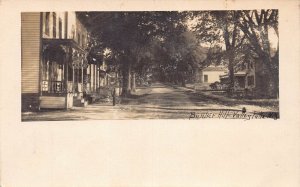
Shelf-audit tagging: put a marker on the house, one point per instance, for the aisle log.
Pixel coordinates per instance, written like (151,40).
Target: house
(244,78)
(209,75)
(54,68)
(212,73)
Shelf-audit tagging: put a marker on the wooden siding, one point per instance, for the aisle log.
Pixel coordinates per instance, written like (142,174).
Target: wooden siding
(52,102)
(30,51)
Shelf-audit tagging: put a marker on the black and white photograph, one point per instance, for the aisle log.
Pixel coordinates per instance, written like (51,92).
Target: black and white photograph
(153,93)
(150,65)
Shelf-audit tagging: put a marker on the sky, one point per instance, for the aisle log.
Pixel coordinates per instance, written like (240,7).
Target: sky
(273,38)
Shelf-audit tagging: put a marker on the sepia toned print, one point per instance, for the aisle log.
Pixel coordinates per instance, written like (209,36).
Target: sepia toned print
(150,65)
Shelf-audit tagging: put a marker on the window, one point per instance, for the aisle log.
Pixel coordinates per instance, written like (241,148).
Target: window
(205,78)
(54,25)
(60,28)
(47,23)
(66,25)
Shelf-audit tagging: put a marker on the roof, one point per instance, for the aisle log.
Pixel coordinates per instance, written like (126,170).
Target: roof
(67,42)
(240,73)
(236,74)
(224,76)
(215,68)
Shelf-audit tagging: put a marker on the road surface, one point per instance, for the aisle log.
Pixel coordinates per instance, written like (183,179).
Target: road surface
(156,102)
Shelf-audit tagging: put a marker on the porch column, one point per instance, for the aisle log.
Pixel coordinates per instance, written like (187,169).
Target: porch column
(77,79)
(97,77)
(73,79)
(92,77)
(66,75)
(82,77)
(88,74)
(118,83)
(43,60)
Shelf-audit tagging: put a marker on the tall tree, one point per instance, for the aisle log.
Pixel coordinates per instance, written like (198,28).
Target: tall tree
(256,26)
(220,28)
(183,56)
(129,33)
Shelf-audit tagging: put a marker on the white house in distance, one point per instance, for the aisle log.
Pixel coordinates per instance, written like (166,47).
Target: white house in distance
(212,74)
(247,76)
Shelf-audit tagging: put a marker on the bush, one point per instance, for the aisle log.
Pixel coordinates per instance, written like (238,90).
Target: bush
(215,86)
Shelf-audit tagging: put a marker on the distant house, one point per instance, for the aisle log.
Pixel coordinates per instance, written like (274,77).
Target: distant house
(243,78)
(212,74)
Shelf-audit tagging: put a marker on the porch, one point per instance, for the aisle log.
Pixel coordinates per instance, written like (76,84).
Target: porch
(63,69)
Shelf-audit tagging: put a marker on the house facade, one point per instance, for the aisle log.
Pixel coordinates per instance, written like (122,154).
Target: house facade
(212,74)
(54,67)
(244,78)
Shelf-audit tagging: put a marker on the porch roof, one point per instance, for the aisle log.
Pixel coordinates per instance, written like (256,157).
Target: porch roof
(77,62)
(240,73)
(236,74)
(65,42)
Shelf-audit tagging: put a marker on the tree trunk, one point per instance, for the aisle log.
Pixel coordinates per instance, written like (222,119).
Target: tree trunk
(133,85)
(120,82)
(272,85)
(231,72)
(198,76)
(126,86)
(128,79)
(177,78)
(182,79)
(276,77)
(265,78)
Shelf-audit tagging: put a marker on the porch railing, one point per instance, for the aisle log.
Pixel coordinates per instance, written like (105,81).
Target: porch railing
(59,87)
(53,87)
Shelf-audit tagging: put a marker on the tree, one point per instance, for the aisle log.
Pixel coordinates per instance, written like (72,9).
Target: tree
(218,28)
(244,32)
(181,57)
(256,26)
(129,34)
